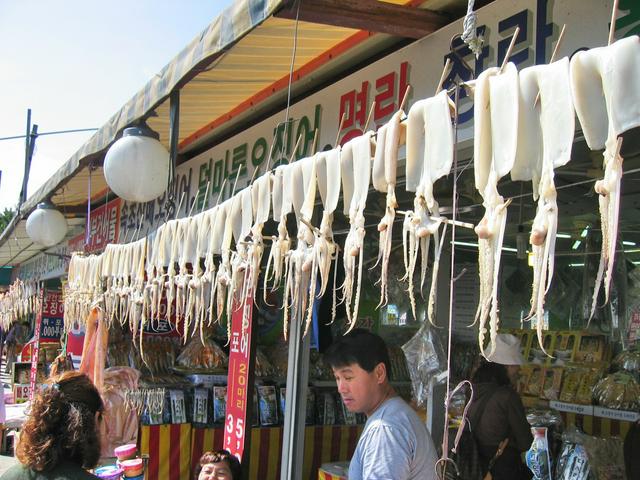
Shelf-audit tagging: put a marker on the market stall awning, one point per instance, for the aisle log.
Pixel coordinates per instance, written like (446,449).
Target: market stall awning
(236,70)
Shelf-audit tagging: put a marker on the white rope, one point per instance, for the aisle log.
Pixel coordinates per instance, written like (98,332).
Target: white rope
(469,31)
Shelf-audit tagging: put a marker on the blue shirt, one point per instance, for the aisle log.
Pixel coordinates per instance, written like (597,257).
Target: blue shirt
(395,444)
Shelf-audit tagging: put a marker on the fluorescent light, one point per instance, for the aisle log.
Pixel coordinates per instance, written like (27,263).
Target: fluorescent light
(631,244)
(471,244)
(465,244)
(584,232)
(576,264)
(637,262)
(576,244)
(563,235)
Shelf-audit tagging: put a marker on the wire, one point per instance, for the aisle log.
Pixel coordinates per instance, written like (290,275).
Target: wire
(51,133)
(293,61)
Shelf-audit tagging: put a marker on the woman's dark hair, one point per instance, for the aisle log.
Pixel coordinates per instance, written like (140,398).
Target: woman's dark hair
(217,457)
(361,347)
(62,424)
(490,372)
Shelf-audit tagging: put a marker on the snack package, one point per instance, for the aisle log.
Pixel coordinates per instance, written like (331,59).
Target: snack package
(197,356)
(326,406)
(268,405)
(200,410)
(219,403)
(585,387)
(536,379)
(606,457)
(570,384)
(538,458)
(619,390)
(552,382)
(573,463)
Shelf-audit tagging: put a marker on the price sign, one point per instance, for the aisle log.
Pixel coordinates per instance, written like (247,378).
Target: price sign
(36,345)
(51,329)
(200,401)
(240,383)
(178,411)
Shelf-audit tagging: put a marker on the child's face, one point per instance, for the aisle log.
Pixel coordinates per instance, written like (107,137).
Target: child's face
(215,471)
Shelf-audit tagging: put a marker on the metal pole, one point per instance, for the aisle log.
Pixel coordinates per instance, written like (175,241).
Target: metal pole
(27,162)
(174,136)
(295,399)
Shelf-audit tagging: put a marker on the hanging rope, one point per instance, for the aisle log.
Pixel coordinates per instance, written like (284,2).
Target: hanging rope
(469,35)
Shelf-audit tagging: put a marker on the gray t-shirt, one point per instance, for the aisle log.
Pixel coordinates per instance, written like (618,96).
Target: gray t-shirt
(395,444)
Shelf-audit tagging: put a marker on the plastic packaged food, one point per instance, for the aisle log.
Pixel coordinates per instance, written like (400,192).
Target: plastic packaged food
(629,360)
(268,405)
(619,390)
(197,356)
(538,458)
(109,472)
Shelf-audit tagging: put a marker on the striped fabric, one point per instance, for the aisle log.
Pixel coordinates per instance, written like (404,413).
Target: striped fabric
(169,450)
(174,450)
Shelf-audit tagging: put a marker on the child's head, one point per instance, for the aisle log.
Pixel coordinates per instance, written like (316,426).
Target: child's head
(218,465)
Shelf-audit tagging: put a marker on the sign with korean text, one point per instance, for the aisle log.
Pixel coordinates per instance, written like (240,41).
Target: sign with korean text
(52,317)
(36,346)
(238,387)
(104,226)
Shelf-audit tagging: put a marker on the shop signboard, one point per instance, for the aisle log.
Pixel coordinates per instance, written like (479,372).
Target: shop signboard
(52,263)
(384,82)
(240,378)
(104,228)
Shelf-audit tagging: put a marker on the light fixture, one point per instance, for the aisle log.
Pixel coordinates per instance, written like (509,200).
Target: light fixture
(522,241)
(46,225)
(136,166)
(563,235)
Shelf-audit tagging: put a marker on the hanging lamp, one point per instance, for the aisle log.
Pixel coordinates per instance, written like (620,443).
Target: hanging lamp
(46,225)
(136,166)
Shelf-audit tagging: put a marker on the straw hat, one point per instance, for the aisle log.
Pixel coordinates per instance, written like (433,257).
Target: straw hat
(507,350)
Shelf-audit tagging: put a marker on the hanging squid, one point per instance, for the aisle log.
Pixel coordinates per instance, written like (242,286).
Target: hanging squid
(389,138)
(495,137)
(429,158)
(605,92)
(356,172)
(325,247)
(299,292)
(545,137)
(277,263)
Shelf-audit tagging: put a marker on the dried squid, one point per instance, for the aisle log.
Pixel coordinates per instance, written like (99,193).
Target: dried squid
(605,92)
(356,172)
(325,247)
(299,292)
(495,137)
(389,138)
(429,158)
(545,136)
(280,245)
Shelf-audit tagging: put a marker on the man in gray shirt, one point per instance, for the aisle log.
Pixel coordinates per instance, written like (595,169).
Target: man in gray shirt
(395,443)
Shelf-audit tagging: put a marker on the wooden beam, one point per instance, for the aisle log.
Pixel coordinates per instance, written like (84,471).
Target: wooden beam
(371,15)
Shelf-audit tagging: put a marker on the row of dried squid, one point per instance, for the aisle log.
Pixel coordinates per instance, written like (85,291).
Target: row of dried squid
(204,265)
(517,134)
(20,300)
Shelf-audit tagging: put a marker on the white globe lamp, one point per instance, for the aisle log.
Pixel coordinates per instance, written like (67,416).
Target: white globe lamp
(136,166)
(46,225)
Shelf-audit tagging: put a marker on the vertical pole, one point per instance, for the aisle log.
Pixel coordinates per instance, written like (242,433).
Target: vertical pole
(25,177)
(174,136)
(296,399)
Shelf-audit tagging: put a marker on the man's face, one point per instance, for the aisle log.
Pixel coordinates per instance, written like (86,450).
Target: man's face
(361,391)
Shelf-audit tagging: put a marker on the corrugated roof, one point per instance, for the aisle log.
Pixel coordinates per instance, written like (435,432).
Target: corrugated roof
(236,68)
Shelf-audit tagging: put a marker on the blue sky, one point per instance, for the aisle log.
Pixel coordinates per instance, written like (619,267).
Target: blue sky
(75,63)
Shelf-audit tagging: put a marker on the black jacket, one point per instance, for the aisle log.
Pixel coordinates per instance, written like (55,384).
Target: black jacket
(502,417)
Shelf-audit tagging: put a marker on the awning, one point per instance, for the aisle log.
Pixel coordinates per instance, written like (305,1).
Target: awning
(237,69)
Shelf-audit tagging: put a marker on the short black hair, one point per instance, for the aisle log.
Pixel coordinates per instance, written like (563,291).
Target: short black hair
(361,347)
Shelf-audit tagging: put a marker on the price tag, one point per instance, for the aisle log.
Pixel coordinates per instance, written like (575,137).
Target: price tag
(571,407)
(200,402)
(178,411)
(623,415)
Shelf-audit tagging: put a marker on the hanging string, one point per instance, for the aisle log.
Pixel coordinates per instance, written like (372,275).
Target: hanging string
(469,35)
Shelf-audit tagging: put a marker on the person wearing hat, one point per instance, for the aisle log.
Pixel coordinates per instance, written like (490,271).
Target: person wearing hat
(497,415)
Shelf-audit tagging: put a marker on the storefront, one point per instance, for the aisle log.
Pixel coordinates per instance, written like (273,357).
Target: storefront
(182,391)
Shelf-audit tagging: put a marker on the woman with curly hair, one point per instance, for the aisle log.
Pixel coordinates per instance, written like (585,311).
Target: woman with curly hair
(218,465)
(59,439)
